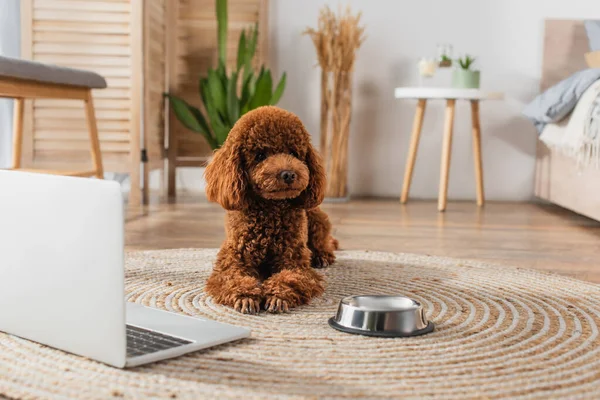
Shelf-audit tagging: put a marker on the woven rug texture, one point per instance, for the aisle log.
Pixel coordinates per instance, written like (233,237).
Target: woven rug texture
(501,332)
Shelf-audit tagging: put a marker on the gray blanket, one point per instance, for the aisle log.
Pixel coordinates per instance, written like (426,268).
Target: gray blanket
(558,101)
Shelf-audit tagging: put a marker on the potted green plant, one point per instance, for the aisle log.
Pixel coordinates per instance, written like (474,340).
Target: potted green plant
(464,77)
(445,61)
(227,95)
(444,55)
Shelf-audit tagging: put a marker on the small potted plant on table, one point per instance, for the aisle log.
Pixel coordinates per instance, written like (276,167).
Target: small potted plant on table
(445,61)
(445,55)
(464,77)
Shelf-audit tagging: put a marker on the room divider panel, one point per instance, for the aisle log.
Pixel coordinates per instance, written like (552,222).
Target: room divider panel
(143,48)
(193,50)
(122,40)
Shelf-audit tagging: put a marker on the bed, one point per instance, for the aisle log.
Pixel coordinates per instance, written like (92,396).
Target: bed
(561,177)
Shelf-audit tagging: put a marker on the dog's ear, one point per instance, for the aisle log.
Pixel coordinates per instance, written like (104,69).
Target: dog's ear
(226,181)
(313,195)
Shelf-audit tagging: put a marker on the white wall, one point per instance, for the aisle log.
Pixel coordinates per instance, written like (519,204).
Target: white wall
(9,46)
(506,36)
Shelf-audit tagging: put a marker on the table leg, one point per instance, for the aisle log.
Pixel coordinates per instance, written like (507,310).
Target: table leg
(412,151)
(477,151)
(446,153)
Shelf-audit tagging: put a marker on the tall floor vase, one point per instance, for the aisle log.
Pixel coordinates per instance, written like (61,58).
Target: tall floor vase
(336,40)
(335,151)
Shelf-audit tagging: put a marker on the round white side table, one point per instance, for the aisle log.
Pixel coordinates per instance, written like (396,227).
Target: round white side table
(422,95)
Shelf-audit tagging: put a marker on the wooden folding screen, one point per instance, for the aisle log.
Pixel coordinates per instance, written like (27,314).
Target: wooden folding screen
(155,85)
(193,49)
(143,48)
(124,41)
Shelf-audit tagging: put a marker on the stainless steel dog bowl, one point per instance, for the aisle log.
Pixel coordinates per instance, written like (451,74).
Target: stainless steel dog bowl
(384,316)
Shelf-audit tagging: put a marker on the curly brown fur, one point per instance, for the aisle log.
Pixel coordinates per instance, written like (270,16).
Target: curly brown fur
(320,241)
(271,181)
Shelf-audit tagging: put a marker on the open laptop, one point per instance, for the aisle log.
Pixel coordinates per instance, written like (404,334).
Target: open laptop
(62,276)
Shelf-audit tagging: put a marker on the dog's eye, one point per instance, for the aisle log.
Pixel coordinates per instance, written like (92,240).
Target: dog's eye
(260,156)
(293,154)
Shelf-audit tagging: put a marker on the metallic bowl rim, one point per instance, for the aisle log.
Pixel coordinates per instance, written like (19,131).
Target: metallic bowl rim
(383,334)
(416,304)
(416,307)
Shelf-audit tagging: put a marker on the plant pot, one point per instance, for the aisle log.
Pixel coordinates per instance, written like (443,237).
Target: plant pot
(465,79)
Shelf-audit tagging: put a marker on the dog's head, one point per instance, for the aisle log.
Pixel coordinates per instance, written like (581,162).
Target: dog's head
(266,157)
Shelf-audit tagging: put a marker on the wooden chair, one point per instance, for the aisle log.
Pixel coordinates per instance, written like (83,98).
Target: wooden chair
(21,80)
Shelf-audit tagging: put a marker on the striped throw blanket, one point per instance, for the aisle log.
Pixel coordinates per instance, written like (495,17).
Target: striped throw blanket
(590,141)
(578,135)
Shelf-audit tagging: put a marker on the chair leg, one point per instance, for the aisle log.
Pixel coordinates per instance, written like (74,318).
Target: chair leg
(17,148)
(94,141)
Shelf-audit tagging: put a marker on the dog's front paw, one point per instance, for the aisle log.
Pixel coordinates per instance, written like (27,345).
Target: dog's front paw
(276,305)
(247,305)
(322,259)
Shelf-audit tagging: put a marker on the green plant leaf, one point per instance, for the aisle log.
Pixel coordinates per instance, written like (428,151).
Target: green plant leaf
(260,75)
(252,88)
(264,90)
(217,124)
(250,51)
(219,90)
(245,109)
(204,90)
(471,61)
(253,42)
(221,133)
(216,92)
(222,74)
(278,90)
(220,129)
(252,85)
(233,103)
(241,55)
(466,62)
(184,114)
(245,98)
(209,136)
(191,118)
(224,118)
(221,6)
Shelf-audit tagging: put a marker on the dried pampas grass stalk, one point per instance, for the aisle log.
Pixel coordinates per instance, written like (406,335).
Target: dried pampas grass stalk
(336,40)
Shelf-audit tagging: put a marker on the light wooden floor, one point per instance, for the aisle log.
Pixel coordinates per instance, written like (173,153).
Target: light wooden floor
(527,235)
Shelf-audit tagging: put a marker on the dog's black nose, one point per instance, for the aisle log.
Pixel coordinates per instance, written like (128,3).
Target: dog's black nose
(288,176)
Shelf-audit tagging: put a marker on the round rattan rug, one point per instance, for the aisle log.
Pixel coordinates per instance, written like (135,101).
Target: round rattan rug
(501,332)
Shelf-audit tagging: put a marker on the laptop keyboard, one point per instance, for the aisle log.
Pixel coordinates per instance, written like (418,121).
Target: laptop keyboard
(142,341)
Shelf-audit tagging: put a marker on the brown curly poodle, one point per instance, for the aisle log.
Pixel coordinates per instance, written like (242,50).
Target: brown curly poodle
(271,181)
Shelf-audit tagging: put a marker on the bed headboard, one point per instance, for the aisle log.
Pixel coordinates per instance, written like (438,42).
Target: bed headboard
(565,45)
